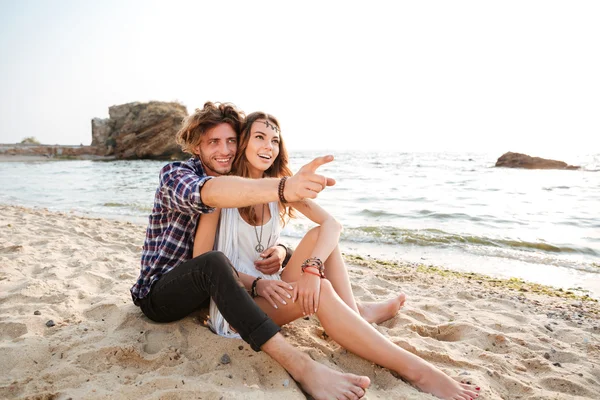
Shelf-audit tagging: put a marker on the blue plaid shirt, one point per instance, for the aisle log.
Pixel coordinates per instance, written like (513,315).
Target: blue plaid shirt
(172,224)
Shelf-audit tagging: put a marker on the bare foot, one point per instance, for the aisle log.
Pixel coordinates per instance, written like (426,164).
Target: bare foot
(441,385)
(323,383)
(379,312)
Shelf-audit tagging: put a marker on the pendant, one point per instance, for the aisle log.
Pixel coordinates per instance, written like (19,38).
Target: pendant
(259,248)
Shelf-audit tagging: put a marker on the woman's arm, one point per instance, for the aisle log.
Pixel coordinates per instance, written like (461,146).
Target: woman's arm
(205,232)
(329,234)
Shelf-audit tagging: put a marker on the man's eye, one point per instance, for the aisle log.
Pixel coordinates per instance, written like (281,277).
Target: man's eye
(232,140)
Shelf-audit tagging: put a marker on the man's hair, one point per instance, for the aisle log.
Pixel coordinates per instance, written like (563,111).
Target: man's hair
(280,167)
(202,120)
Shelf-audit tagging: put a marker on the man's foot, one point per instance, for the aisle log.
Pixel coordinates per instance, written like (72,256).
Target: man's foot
(439,384)
(323,383)
(379,312)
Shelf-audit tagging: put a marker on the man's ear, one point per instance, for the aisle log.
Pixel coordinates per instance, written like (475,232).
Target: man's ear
(196,150)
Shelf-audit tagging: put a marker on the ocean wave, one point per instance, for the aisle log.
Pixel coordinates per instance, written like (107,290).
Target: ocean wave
(436,237)
(129,206)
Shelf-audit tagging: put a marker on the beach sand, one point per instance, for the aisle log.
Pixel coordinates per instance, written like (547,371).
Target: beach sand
(516,341)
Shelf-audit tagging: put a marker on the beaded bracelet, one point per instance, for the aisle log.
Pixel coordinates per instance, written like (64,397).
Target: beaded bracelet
(316,263)
(281,188)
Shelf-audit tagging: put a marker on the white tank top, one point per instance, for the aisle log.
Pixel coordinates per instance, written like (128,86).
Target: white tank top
(247,241)
(237,239)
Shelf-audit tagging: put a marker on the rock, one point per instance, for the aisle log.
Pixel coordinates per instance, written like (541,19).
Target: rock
(557,364)
(36,312)
(225,359)
(549,327)
(140,131)
(49,151)
(101,129)
(50,324)
(518,160)
(547,356)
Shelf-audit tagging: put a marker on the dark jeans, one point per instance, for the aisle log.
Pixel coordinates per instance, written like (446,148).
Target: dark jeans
(188,287)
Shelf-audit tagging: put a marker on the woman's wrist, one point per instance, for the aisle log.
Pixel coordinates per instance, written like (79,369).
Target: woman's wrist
(314,263)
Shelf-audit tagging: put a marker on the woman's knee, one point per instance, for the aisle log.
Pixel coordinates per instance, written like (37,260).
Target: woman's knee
(313,234)
(326,287)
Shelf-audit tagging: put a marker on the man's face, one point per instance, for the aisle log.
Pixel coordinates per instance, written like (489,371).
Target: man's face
(217,149)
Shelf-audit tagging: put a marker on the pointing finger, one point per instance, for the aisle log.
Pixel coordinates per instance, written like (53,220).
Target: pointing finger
(316,163)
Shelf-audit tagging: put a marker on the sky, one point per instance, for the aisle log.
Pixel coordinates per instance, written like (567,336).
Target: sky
(341,75)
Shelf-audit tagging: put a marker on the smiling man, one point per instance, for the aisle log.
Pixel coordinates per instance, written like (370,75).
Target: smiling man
(172,284)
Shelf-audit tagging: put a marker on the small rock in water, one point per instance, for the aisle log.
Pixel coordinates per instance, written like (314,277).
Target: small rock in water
(225,359)
(50,324)
(547,356)
(36,312)
(240,347)
(286,382)
(557,364)
(549,327)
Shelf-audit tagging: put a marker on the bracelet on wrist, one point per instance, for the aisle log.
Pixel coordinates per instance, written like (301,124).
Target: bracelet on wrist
(312,272)
(316,263)
(253,291)
(281,188)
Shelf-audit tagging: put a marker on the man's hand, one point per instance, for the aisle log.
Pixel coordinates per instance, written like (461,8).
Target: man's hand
(306,183)
(272,260)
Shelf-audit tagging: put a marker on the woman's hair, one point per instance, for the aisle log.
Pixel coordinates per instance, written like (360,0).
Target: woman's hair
(197,124)
(278,169)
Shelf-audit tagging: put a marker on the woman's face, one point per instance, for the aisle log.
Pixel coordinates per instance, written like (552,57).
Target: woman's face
(263,147)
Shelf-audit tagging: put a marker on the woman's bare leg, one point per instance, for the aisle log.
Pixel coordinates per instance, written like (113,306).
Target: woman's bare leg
(353,333)
(337,274)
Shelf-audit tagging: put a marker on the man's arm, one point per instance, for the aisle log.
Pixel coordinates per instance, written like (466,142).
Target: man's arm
(235,192)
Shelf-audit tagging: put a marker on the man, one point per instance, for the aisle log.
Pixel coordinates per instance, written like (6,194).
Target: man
(171,284)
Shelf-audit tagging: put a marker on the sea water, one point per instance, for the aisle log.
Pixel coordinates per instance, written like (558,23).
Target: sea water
(445,209)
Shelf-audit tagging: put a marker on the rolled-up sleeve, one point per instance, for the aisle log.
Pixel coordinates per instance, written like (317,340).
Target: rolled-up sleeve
(180,188)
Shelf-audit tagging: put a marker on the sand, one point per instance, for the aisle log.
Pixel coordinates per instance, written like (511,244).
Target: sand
(516,341)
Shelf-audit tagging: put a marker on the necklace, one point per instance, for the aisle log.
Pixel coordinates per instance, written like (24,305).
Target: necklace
(259,247)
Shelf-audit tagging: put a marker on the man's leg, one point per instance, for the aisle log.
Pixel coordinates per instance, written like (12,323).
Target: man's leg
(188,286)
(321,382)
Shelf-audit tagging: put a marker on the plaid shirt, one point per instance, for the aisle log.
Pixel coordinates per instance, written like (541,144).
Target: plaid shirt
(172,224)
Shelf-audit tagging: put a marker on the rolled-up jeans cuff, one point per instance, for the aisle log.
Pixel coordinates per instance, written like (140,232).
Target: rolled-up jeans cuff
(262,334)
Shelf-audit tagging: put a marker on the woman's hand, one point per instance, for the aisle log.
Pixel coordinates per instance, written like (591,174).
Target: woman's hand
(272,260)
(307,291)
(274,290)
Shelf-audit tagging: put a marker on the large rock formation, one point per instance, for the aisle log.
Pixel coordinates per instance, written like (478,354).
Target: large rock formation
(518,160)
(140,130)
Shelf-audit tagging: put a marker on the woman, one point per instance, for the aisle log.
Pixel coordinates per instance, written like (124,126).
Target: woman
(301,289)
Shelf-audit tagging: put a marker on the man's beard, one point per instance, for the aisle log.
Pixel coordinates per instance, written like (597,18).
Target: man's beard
(211,165)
